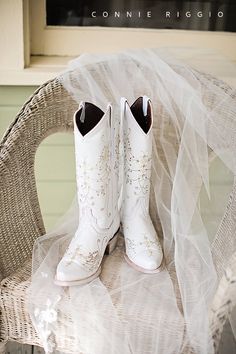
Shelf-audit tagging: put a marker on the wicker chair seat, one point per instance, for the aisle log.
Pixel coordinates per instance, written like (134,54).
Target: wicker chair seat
(14,315)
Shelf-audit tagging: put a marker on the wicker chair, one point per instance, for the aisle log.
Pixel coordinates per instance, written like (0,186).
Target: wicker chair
(21,220)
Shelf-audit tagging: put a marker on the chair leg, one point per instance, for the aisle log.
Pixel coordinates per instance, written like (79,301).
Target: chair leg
(3,347)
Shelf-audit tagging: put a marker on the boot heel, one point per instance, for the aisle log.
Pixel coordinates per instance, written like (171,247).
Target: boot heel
(112,244)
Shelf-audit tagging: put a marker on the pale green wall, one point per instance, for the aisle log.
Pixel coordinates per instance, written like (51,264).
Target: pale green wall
(55,176)
(55,168)
(54,165)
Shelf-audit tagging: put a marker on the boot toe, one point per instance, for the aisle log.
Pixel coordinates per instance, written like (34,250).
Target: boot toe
(70,271)
(149,262)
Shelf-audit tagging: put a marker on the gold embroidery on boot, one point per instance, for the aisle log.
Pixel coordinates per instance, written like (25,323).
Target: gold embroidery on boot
(138,168)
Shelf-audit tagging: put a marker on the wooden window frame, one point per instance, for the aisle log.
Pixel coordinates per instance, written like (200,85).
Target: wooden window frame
(33,52)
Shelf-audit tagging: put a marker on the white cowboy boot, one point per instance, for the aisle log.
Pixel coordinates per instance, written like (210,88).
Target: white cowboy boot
(97,192)
(143,249)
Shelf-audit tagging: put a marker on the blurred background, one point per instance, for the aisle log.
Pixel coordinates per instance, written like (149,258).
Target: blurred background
(38,38)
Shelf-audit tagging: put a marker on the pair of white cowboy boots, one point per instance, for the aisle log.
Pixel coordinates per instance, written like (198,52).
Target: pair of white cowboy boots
(99,145)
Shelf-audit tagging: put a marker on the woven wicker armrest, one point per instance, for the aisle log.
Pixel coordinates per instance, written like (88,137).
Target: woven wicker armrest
(224,256)
(47,111)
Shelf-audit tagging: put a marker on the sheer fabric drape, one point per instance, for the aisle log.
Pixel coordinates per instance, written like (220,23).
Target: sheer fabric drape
(125,311)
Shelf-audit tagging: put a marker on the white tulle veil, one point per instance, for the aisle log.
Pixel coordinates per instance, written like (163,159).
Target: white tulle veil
(125,311)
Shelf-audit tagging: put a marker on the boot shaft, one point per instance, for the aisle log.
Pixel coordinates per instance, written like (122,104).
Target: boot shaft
(137,156)
(96,165)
